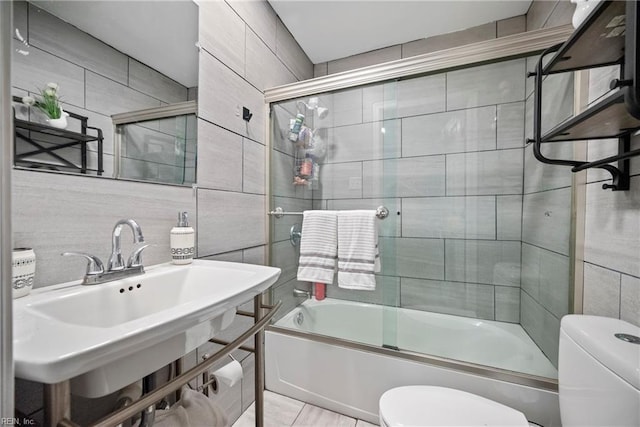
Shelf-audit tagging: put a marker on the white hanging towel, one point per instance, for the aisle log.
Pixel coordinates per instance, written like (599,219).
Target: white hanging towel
(358,255)
(318,247)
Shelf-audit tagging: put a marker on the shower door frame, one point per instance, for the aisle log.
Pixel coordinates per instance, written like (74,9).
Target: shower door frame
(500,49)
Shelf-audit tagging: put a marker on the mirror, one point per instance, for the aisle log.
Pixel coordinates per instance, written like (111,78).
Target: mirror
(107,59)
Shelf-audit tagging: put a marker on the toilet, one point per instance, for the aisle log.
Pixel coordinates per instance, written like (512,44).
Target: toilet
(598,385)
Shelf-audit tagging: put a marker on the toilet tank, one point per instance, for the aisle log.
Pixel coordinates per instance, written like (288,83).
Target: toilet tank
(598,373)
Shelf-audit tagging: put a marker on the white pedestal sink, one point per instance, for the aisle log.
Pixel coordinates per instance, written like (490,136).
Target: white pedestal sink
(106,336)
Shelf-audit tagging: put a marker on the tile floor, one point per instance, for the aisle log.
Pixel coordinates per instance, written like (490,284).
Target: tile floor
(283,411)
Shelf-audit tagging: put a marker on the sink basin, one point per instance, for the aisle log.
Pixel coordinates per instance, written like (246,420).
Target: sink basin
(106,336)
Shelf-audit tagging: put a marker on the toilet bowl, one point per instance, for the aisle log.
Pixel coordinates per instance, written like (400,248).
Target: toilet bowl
(599,385)
(439,406)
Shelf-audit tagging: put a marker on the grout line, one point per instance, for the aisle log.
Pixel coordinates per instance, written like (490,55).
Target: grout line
(299,412)
(620,298)
(610,269)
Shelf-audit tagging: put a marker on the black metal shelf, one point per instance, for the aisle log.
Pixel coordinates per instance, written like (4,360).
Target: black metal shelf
(609,118)
(42,145)
(597,42)
(608,36)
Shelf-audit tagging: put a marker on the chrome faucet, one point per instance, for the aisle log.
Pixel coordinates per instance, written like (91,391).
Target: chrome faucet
(116,268)
(116,262)
(300,293)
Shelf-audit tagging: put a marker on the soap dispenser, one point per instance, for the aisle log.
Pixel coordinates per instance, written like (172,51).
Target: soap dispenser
(182,241)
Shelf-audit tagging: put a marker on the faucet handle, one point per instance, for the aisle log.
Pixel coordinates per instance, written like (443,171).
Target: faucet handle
(94,265)
(135,259)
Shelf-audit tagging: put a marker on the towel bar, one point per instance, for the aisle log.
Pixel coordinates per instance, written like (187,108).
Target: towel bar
(381,212)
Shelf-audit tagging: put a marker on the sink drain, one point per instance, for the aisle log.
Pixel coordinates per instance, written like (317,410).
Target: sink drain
(299,318)
(625,337)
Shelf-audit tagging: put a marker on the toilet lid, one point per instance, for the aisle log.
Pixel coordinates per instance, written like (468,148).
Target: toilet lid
(439,406)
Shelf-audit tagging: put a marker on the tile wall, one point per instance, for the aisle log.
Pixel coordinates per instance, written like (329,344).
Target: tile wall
(492,30)
(95,79)
(291,198)
(547,201)
(612,224)
(446,157)
(245,48)
(611,252)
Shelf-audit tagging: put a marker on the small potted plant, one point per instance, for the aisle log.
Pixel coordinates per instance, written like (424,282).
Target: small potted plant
(49,104)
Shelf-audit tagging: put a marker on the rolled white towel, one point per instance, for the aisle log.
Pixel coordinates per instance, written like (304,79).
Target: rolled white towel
(194,409)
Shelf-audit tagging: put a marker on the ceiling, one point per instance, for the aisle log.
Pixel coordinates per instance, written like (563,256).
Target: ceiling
(160,34)
(153,31)
(331,29)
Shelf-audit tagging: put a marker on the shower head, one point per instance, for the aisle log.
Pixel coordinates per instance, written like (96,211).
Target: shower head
(313,105)
(322,112)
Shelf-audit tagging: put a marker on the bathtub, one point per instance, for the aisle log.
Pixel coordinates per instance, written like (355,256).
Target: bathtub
(304,360)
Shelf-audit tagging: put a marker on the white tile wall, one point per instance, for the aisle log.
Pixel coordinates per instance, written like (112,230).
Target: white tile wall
(446,41)
(509,217)
(422,95)
(601,291)
(341,180)
(482,261)
(220,158)
(507,304)
(33,71)
(630,299)
(410,257)
(149,81)
(222,98)
(488,172)
(541,326)
(541,176)
(546,220)
(510,125)
(109,97)
(229,221)
(260,18)
(288,50)
(347,107)
(253,167)
(263,68)
(463,299)
(451,132)
(365,59)
(412,177)
(545,277)
(222,33)
(497,83)
(48,33)
(449,217)
(611,228)
(53,213)
(344,142)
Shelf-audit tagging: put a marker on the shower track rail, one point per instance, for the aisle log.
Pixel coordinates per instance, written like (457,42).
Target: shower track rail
(381,212)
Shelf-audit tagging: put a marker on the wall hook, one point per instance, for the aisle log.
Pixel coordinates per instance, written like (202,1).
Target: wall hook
(246,114)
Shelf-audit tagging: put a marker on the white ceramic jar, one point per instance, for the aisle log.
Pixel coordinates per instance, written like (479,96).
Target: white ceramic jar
(23,271)
(583,9)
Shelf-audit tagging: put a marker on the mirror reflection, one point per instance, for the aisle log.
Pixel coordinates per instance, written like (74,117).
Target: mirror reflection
(102,60)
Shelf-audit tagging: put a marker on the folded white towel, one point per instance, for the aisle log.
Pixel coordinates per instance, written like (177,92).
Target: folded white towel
(318,247)
(192,410)
(358,256)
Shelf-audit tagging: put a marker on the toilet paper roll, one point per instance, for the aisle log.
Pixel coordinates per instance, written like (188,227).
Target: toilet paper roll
(229,374)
